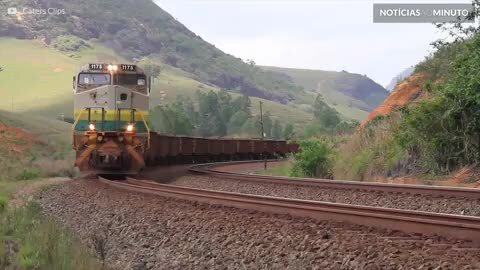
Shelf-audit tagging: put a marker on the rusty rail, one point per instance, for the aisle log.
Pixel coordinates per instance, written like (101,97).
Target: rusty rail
(439,191)
(451,226)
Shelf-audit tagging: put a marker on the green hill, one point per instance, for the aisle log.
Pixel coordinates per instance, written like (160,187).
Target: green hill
(139,28)
(36,79)
(40,57)
(352,95)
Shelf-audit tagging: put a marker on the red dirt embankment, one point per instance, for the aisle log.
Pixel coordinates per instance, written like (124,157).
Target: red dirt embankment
(16,139)
(404,93)
(408,91)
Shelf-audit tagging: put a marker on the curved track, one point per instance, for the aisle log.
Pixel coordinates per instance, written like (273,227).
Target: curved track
(214,169)
(451,226)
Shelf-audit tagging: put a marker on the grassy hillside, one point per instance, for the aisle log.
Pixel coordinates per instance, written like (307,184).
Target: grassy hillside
(428,126)
(139,28)
(37,79)
(136,29)
(352,95)
(32,148)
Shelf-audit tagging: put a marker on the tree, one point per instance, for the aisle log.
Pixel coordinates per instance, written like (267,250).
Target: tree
(225,102)
(211,125)
(313,159)
(236,122)
(216,114)
(211,121)
(347,126)
(189,109)
(151,68)
(460,31)
(288,132)
(1,69)
(171,120)
(325,116)
(250,62)
(252,127)
(242,103)
(267,125)
(277,130)
(442,133)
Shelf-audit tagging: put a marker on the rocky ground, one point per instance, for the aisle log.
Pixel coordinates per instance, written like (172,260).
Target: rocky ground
(136,231)
(461,206)
(26,193)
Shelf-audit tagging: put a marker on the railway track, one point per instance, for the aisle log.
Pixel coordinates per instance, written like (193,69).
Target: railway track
(439,191)
(446,225)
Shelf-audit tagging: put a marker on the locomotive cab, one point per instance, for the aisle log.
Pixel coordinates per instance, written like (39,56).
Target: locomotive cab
(110,132)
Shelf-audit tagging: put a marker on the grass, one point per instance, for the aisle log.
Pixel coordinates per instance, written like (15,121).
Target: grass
(38,80)
(348,107)
(34,75)
(369,152)
(174,83)
(331,84)
(29,240)
(283,169)
(32,241)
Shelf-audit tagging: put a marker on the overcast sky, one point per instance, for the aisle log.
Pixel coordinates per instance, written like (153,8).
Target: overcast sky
(315,34)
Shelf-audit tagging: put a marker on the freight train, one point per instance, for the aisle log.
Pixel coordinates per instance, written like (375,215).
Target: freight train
(111,132)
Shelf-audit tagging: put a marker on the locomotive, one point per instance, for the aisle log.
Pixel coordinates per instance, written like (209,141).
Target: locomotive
(111,133)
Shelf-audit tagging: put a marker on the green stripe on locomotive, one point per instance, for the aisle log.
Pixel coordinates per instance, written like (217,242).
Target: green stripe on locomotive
(110,125)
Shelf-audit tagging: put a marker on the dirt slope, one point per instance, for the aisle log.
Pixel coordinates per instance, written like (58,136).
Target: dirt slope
(407,91)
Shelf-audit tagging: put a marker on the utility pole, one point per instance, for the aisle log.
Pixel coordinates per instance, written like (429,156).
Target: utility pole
(263,135)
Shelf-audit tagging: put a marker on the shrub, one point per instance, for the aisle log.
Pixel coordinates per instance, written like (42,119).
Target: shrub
(55,168)
(69,43)
(28,174)
(313,159)
(443,132)
(371,151)
(28,257)
(3,204)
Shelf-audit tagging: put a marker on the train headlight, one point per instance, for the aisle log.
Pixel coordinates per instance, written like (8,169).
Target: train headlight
(91,127)
(130,127)
(112,67)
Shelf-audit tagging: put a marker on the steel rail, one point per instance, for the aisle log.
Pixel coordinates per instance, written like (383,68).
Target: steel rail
(439,191)
(446,225)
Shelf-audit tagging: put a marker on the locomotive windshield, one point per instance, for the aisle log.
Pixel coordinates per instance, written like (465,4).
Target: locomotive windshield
(135,81)
(87,81)
(129,79)
(125,75)
(94,78)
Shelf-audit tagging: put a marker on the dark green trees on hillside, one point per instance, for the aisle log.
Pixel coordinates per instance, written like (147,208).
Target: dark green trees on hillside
(325,116)
(277,130)
(443,133)
(288,132)
(151,68)
(171,119)
(313,159)
(327,120)
(215,114)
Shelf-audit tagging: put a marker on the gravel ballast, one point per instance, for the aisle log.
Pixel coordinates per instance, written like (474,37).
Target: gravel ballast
(459,206)
(151,232)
